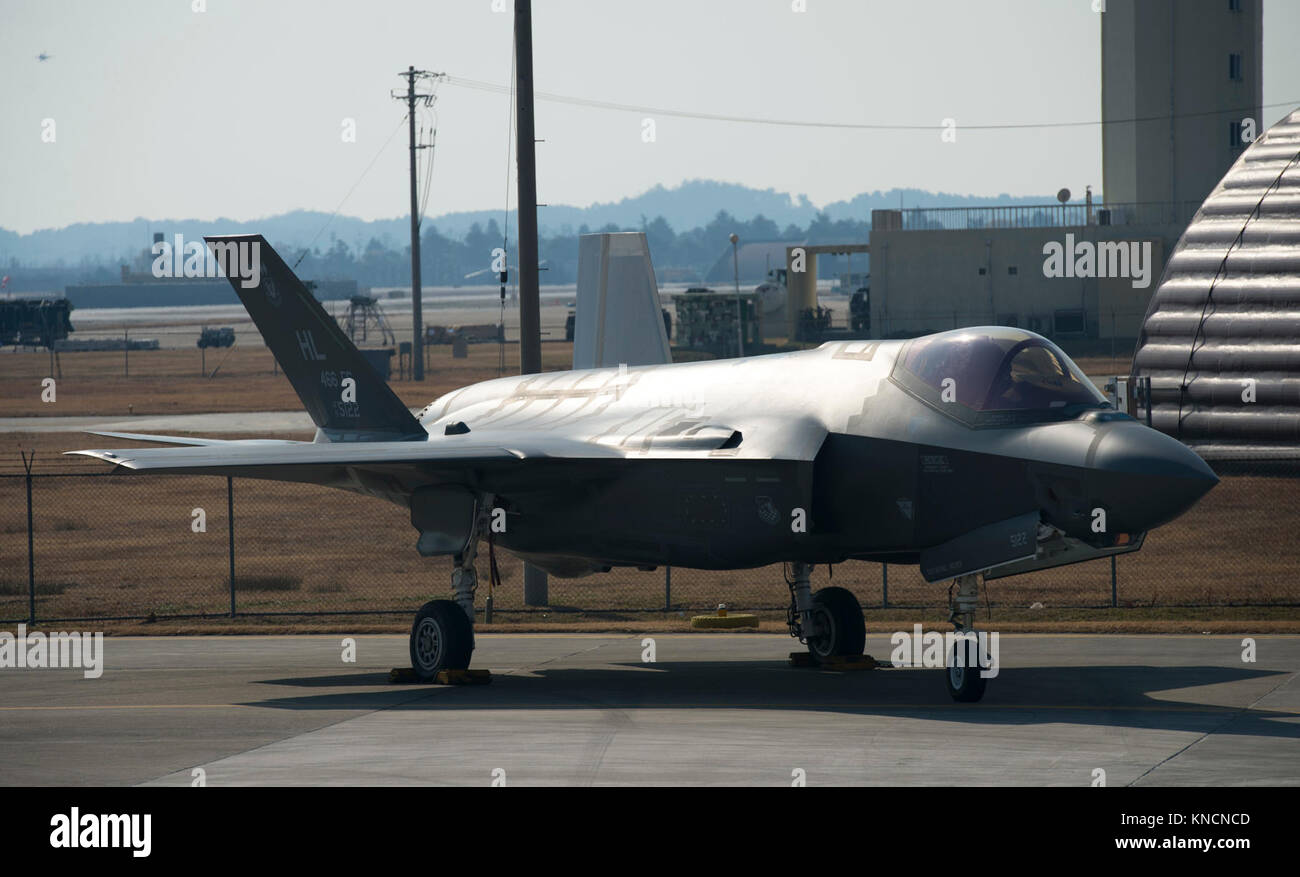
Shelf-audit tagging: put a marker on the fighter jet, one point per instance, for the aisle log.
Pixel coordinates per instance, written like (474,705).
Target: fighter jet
(975,452)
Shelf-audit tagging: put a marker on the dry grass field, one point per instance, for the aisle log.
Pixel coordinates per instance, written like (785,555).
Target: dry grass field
(170,381)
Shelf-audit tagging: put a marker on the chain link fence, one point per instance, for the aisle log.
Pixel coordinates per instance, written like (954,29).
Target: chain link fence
(106,546)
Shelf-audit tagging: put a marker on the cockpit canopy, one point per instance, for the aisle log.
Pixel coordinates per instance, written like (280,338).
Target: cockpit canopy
(994,375)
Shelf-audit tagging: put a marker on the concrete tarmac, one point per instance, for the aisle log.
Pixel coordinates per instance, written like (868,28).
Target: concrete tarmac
(572,709)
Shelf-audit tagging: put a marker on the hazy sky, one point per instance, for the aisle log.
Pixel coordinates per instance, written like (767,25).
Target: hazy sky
(238,111)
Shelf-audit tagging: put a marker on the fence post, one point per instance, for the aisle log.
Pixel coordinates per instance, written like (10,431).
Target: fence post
(884,586)
(230,529)
(535,586)
(31,555)
(1114,584)
(668,588)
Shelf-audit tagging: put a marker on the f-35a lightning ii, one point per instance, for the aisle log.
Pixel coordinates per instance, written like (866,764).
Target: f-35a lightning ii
(975,451)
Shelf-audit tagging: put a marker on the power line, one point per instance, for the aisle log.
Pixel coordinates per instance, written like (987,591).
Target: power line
(429,113)
(480,85)
(350,191)
(432,146)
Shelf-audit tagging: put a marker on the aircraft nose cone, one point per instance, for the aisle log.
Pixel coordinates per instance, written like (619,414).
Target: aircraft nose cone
(1148,478)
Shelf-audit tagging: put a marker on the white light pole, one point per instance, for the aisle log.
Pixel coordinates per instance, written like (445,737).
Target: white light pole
(740,309)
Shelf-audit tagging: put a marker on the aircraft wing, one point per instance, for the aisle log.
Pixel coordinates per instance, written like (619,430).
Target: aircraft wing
(185,440)
(312,461)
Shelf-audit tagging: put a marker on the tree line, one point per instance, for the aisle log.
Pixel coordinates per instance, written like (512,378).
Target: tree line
(445,261)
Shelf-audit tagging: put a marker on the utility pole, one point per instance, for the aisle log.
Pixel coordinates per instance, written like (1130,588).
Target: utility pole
(740,308)
(530,317)
(417,311)
(417,306)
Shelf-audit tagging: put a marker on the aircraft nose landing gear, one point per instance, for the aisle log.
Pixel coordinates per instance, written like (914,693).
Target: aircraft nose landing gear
(965,684)
(963,673)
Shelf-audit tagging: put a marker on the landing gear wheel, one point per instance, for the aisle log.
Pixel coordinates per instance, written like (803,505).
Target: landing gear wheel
(842,628)
(965,684)
(442,638)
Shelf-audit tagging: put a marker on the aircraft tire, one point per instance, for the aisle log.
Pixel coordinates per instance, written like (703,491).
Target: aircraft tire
(965,684)
(842,615)
(442,638)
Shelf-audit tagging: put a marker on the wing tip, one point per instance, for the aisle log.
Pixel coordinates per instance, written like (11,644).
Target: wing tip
(106,456)
(159,439)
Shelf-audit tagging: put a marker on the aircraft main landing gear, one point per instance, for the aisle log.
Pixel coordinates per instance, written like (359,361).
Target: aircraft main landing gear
(442,637)
(829,622)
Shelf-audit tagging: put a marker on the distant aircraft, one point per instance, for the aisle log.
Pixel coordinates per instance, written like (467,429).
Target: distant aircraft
(982,450)
(43,57)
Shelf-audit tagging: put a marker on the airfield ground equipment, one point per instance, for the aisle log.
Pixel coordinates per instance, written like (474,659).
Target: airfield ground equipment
(814,323)
(34,322)
(365,315)
(222,337)
(706,320)
(860,312)
(478,333)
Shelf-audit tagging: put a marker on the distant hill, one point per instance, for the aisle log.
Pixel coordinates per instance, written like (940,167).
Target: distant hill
(692,204)
(89,244)
(695,202)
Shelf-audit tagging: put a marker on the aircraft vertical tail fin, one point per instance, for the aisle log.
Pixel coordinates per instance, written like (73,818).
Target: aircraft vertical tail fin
(345,396)
(619,317)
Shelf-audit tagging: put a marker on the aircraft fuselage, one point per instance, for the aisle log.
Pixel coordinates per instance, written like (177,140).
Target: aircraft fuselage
(819,456)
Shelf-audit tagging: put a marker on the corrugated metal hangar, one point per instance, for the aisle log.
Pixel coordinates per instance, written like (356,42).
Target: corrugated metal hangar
(1221,337)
